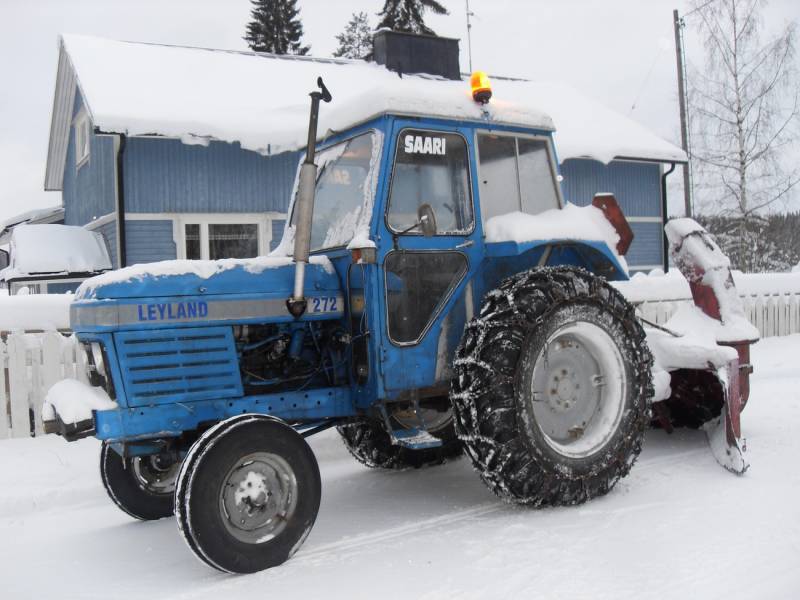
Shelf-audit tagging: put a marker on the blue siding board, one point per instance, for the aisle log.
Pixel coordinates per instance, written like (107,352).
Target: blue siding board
(636,185)
(277,232)
(149,241)
(89,190)
(166,175)
(647,247)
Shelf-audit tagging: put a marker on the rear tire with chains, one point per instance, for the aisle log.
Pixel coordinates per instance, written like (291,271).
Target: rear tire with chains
(515,431)
(370,444)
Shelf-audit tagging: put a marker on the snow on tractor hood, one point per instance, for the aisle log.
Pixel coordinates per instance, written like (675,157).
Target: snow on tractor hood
(261,275)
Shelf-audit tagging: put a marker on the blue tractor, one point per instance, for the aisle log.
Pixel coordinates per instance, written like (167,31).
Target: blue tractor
(391,315)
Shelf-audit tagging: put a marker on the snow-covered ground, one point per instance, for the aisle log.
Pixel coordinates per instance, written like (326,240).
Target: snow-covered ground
(678,527)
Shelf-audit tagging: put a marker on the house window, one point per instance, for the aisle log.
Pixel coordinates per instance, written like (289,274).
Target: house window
(215,236)
(82,138)
(192,235)
(516,174)
(238,240)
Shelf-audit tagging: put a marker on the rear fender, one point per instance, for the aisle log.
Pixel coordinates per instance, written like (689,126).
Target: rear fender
(508,258)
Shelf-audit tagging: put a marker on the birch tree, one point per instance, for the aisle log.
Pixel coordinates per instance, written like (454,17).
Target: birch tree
(745,107)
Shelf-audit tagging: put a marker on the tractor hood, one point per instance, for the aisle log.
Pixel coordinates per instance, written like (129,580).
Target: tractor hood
(186,293)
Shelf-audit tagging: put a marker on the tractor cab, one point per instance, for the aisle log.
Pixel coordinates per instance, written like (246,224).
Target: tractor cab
(401,207)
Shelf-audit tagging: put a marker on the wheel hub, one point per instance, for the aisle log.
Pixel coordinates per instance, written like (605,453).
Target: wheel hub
(155,476)
(573,407)
(258,497)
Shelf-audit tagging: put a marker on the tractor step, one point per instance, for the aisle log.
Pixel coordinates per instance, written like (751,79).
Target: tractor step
(415,439)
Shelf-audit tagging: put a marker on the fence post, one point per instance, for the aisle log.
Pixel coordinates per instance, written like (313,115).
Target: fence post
(53,371)
(18,385)
(5,423)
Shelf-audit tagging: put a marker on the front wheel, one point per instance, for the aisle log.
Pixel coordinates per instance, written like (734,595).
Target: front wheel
(141,486)
(248,494)
(551,388)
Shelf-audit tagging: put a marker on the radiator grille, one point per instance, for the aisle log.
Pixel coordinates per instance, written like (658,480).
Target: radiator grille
(178,365)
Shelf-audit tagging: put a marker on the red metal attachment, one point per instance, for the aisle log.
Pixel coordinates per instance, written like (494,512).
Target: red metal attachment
(613,213)
(707,270)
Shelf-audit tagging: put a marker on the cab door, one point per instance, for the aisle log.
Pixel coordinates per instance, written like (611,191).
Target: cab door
(426,278)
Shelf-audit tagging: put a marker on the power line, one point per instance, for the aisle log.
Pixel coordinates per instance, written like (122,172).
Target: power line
(699,8)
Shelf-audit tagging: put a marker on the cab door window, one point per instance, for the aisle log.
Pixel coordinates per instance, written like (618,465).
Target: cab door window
(431,167)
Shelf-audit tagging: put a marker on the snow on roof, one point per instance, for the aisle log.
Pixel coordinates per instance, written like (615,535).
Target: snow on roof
(261,100)
(55,250)
(37,215)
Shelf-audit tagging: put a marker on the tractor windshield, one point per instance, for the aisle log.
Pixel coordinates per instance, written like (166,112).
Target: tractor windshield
(344,191)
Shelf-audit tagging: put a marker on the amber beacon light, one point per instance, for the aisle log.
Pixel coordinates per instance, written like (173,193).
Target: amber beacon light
(481,88)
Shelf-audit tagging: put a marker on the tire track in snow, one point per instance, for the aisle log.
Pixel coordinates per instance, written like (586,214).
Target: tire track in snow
(317,554)
(365,539)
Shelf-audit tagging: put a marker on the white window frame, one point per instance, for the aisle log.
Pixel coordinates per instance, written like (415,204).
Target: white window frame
(179,222)
(83,139)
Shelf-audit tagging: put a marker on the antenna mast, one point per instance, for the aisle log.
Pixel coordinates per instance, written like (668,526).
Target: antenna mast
(469,35)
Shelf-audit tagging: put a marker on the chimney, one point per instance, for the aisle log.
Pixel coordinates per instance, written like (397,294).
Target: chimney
(412,53)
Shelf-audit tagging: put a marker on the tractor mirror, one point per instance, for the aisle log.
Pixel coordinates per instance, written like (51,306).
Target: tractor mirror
(4,260)
(427,220)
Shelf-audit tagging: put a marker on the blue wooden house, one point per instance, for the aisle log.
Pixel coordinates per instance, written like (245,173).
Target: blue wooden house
(175,152)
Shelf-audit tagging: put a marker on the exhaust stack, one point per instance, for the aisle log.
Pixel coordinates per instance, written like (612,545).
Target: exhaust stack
(304,206)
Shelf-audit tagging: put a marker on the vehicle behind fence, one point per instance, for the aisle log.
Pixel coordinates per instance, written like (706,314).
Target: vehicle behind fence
(33,361)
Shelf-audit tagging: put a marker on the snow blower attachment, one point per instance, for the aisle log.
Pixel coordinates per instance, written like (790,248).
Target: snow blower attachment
(705,348)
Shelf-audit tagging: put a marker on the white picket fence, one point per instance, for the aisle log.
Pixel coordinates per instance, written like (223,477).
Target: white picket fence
(773,315)
(30,364)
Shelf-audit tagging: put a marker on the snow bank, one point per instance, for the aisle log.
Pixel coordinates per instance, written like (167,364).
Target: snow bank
(74,401)
(261,100)
(35,312)
(55,249)
(200,268)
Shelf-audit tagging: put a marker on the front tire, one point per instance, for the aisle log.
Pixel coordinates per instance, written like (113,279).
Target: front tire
(248,494)
(138,485)
(551,388)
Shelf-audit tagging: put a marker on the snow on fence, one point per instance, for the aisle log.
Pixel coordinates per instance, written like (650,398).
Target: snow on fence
(30,364)
(771,300)
(772,315)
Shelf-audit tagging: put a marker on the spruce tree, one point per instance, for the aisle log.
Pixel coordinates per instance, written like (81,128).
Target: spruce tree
(406,15)
(356,39)
(275,27)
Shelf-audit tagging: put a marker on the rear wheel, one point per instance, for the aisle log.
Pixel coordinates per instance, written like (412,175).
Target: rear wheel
(141,486)
(551,388)
(248,494)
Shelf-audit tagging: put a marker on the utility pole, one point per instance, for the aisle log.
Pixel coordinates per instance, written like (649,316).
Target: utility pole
(469,35)
(687,183)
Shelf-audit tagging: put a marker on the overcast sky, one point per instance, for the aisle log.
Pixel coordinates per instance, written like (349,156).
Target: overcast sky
(620,52)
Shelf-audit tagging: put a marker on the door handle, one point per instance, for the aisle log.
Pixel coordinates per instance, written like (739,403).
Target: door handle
(466,244)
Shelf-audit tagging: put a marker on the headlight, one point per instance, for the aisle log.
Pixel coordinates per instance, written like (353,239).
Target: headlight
(98,359)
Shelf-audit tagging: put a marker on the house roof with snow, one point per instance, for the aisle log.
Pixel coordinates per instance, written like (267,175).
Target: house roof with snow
(261,101)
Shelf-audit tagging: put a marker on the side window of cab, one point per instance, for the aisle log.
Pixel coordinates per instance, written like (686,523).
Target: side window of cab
(431,167)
